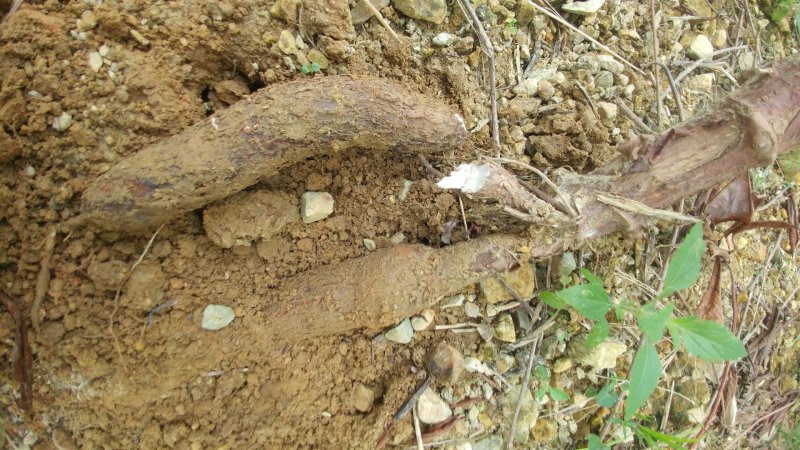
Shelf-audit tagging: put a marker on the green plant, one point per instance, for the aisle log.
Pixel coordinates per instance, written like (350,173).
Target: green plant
(705,339)
(309,68)
(791,438)
(780,9)
(543,374)
(511,25)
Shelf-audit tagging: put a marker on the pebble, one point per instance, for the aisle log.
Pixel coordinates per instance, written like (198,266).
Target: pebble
(422,321)
(427,10)
(472,310)
(566,264)
(604,79)
(363,398)
(402,333)
(62,122)
(473,365)
(701,46)
(452,302)
(444,39)
(703,82)
(315,206)
(521,280)
(528,87)
(397,238)
(431,409)
(403,194)
(583,8)
(217,317)
(610,64)
(361,12)
(104,50)
(87,21)
(316,56)
(719,39)
(607,112)
(139,37)
(369,244)
(445,363)
(601,356)
(504,363)
(562,365)
(546,90)
(504,330)
(287,43)
(489,443)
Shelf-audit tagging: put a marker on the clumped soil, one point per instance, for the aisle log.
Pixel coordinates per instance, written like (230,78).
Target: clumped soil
(167,66)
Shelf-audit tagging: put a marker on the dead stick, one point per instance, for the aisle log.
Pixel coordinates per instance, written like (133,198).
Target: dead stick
(23,355)
(43,280)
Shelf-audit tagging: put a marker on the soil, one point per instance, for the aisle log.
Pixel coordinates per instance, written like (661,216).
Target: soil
(155,380)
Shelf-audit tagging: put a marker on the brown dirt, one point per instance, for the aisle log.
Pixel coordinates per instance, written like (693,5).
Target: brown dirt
(166,382)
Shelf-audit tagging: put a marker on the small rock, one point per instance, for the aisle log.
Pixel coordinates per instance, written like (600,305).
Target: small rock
(139,37)
(583,8)
(452,301)
(544,430)
(610,64)
(489,443)
(445,363)
(305,245)
(95,61)
(521,280)
(472,310)
(720,38)
(525,14)
(328,17)
(315,206)
(601,356)
(397,238)
(363,398)
(404,190)
(546,90)
(217,317)
(504,330)
(427,10)
(528,87)
(402,333)
(431,409)
(589,62)
(562,365)
(607,112)
(87,21)
(528,408)
(444,39)
(145,287)
(369,244)
(287,43)
(316,56)
(62,122)
(361,12)
(473,365)
(504,363)
(703,82)
(604,79)
(701,46)
(423,321)
(108,275)
(104,50)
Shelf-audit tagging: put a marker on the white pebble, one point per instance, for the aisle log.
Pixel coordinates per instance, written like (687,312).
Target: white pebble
(216,317)
(316,206)
(62,122)
(402,333)
(443,39)
(95,61)
(701,46)
(423,321)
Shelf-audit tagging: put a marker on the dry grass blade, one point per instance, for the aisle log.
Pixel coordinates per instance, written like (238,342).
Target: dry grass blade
(22,358)
(43,280)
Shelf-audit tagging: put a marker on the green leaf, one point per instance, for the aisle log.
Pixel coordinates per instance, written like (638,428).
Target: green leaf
(684,269)
(595,443)
(313,67)
(645,372)
(541,372)
(607,397)
(590,299)
(558,395)
(552,300)
(598,334)
(652,320)
(655,436)
(541,392)
(706,339)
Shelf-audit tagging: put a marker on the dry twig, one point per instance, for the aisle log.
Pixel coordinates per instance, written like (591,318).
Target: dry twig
(43,280)
(23,356)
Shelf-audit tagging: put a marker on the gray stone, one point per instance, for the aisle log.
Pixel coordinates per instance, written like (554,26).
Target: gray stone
(402,333)
(472,310)
(217,317)
(604,79)
(287,42)
(489,443)
(546,90)
(610,64)
(566,264)
(607,112)
(443,39)
(427,10)
(95,61)
(452,301)
(62,122)
(369,244)
(431,409)
(316,206)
